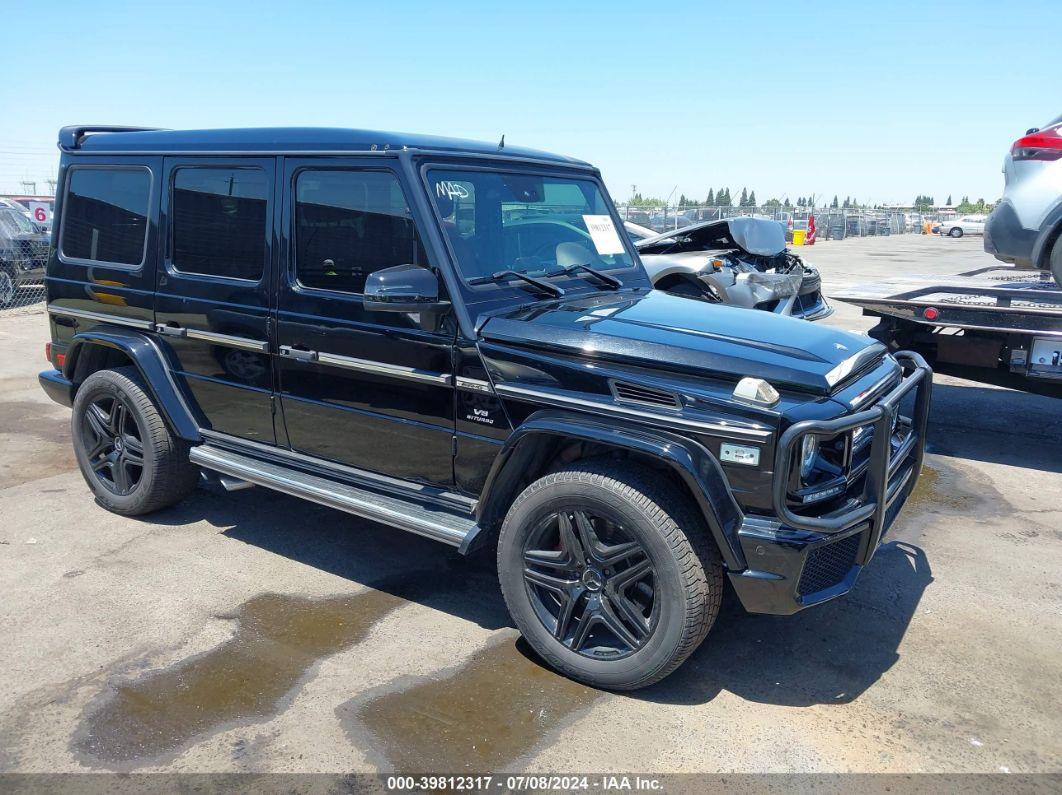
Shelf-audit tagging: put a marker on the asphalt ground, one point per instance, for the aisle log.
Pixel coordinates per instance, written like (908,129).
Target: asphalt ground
(253,632)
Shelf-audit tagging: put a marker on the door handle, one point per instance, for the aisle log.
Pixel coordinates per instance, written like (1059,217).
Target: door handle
(299,353)
(171,329)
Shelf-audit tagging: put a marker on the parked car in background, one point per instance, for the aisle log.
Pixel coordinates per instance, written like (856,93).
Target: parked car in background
(23,254)
(37,208)
(740,261)
(668,221)
(1026,226)
(964,225)
(639,217)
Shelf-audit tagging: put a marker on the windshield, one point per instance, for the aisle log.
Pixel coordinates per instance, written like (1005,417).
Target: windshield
(15,223)
(499,221)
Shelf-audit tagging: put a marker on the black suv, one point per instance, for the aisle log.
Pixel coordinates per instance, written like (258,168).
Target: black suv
(366,320)
(23,254)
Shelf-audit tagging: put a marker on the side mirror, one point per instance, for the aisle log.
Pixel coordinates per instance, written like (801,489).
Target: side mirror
(403,288)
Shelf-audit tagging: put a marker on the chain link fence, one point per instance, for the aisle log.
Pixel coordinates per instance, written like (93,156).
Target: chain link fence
(830,223)
(25,240)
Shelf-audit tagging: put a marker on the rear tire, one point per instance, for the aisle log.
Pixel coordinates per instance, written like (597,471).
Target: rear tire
(634,617)
(1055,261)
(131,460)
(956,232)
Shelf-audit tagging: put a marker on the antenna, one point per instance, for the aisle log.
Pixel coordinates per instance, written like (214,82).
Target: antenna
(501,143)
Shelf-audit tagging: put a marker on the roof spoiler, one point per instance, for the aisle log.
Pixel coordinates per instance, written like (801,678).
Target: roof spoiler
(71,137)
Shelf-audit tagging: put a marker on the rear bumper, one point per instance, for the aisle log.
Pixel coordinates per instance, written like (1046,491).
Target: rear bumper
(57,387)
(797,561)
(1006,239)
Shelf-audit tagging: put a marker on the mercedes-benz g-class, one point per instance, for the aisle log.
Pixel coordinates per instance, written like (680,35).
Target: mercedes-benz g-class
(458,340)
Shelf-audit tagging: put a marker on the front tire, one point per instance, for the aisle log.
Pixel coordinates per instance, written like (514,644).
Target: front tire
(131,460)
(956,232)
(8,289)
(608,571)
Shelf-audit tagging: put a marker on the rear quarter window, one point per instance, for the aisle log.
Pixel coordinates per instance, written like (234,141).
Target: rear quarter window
(105,214)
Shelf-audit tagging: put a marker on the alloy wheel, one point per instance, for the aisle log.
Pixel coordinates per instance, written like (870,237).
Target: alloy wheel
(114,444)
(591,584)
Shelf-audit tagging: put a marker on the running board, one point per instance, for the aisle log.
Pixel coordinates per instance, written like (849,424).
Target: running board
(416,517)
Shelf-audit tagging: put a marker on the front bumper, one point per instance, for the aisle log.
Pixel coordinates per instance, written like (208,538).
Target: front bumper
(797,561)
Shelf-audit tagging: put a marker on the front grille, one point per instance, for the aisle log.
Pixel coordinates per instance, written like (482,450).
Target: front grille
(626,392)
(828,565)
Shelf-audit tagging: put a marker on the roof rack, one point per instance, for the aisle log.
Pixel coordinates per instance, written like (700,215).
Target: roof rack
(71,137)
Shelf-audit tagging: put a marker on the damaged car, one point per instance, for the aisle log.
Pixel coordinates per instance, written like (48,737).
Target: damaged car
(740,261)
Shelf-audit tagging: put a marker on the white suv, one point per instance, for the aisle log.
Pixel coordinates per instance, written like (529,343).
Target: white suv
(1026,226)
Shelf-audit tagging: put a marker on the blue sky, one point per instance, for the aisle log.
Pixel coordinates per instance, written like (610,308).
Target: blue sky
(881,101)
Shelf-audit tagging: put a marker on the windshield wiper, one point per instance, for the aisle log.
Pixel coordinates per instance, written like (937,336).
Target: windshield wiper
(500,276)
(601,276)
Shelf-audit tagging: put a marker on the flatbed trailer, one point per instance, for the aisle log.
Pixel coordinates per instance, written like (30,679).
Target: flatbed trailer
(999,325)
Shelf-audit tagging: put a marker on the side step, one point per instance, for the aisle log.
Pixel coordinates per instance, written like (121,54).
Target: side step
(429,521)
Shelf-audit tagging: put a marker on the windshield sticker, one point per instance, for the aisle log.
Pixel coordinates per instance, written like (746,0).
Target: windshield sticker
(603,233)
(451,190)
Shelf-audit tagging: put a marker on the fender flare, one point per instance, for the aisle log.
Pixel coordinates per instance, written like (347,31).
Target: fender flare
(150,360)
(694,464)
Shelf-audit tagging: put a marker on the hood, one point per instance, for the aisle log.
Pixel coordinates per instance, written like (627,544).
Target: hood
(760,236)
(664,331)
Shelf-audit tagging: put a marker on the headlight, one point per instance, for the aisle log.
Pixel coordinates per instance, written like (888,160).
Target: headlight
(809,448)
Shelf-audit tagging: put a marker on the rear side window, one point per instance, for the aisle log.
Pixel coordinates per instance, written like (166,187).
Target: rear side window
(105,215)
(219,222)
(349,224)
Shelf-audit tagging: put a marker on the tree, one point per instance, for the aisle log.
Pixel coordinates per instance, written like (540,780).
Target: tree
(772,203)
(834,203)
(638,200)
(925,202)
(847,202)
(966,206)
(786,203)
(744,200)
(752,198)
(710,201)
(949,200)
(723,197)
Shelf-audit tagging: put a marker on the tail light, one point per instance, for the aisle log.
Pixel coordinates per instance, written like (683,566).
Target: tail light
(1040,145)
(58,361)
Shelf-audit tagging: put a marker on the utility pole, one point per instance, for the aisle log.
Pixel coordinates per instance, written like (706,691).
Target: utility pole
(29,187)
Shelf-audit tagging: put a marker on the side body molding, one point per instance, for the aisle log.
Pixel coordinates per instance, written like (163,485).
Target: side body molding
(149,358)
(698,468)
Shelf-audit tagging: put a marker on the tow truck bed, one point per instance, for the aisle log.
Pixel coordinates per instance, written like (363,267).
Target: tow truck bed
(998,324)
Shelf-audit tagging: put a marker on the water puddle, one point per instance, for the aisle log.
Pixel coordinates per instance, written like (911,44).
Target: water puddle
(245,679)
(936,490)
(35,440)
(483,716)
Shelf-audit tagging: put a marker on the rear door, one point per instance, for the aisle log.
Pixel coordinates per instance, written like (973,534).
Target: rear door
(213,295)
(369,389)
